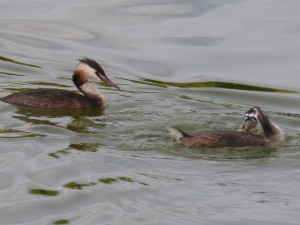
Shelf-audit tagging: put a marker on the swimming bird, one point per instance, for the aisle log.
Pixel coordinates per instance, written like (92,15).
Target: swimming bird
(272,135)
(58,98)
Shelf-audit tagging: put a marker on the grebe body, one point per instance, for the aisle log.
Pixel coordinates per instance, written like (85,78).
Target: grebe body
(271,135)
(218,138)
(51,98)
(58,98)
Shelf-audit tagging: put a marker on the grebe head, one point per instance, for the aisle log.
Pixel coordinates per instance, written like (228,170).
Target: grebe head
(249,120)
(253,113)
(271,131)
(256,115)
(249,123)
(90,69)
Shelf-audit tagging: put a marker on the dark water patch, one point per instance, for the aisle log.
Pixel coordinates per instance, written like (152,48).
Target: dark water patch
(144,82)
(86,147)
(55,154)
(211,84)
(35,121)
(293,115)
(59,152)
(44,192)
(82,124)
(126,179)
(75,185)
(12,74)
(18,62)
(48,84)
(14,133)
(129,179)
(15,89)
(103,180)
(61,221)
(107,180)
(53,113)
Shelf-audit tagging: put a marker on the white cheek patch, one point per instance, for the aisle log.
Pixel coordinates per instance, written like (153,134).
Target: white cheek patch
(251,115)
(89,72)
(92,74)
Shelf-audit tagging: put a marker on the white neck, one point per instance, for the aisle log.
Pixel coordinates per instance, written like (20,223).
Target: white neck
(278,135)
(92,93)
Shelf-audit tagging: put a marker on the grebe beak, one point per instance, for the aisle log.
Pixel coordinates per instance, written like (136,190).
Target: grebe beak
(105,80)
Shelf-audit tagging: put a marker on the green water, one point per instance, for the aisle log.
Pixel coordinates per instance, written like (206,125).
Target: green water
(194,65)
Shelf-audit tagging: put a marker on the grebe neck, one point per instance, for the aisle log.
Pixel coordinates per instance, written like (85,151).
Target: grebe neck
(270,129)
(265,124)
(277,134)
(92,93)
(80,79)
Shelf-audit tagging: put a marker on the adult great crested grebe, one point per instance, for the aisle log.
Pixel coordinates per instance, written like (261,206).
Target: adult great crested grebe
(58,98)
(272,135)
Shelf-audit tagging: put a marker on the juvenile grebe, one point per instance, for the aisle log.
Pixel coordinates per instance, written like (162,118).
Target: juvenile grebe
(249,123)
(57,98)
(271,135)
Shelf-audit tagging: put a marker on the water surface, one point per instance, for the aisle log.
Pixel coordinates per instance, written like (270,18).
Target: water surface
(194,65)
